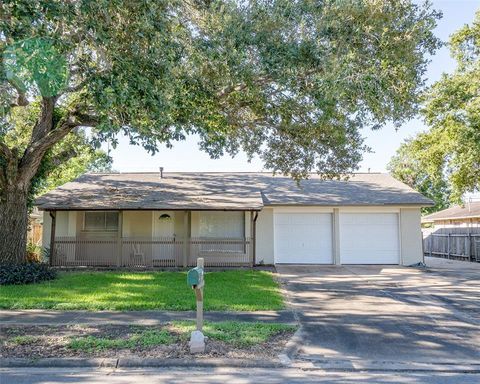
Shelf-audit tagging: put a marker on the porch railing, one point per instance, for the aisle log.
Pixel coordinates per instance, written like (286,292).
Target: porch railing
(151,252)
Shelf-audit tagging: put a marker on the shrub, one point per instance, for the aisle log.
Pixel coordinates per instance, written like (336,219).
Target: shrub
(25,273)
(34,253)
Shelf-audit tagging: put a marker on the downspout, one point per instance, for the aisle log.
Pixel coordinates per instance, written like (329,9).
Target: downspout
(53,215)
(254,238)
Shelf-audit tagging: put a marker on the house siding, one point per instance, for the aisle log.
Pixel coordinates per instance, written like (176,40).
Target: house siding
(264,237)
(410,236)
(66,225)
(137,224)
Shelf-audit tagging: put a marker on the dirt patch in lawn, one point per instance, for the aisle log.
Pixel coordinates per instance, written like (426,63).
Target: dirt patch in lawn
(167,341)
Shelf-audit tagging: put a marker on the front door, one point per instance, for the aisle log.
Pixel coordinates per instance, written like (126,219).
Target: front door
(163,247)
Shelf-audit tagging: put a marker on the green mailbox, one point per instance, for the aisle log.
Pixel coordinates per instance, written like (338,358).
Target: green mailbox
(195,277)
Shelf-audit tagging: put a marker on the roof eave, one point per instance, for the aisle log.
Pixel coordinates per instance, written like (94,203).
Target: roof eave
(50,208)
(431,220)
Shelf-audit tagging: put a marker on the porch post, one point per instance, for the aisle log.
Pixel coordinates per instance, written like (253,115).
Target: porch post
(119,239)
(53,215)
(185,239)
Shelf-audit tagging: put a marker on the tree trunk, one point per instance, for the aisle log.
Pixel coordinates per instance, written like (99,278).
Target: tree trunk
(13,226)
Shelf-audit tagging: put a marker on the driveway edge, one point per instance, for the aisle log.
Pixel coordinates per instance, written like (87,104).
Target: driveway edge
(295,343)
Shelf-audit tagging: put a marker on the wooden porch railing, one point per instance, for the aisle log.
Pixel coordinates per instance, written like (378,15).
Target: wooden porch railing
(150,252)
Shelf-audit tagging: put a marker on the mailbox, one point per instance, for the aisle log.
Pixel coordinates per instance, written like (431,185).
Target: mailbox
(195,277)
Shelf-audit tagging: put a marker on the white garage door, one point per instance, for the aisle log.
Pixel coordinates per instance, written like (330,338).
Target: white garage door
(303,238)
(369,238)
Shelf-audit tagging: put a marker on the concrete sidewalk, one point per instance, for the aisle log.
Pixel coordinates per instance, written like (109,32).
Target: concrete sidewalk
(46,317)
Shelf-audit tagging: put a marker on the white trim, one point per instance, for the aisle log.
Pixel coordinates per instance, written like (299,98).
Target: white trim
(336,237)
(372,209)
(400,256)
(295,209)
(153,226)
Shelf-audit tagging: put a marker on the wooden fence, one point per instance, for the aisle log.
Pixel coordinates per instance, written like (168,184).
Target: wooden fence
(34,233)
(452,243)
(151,252)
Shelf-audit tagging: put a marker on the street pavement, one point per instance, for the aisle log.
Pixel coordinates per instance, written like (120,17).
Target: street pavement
(228,375)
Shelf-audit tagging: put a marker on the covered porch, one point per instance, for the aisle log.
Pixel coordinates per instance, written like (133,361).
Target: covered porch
(150,238)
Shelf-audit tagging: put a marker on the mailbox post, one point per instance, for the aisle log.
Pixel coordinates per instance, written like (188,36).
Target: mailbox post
(196,281)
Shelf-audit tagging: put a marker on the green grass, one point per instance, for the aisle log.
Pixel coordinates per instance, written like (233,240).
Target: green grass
(239,290)
(143,339)
(23,340)
(239,334)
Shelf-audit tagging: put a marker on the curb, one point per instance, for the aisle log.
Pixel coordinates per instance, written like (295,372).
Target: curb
(234,363)
(386,366)
(295,343)
(134,363)
(57,363)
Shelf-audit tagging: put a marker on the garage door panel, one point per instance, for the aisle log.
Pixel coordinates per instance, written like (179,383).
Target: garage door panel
(303,238)
(369,238)
(373,219)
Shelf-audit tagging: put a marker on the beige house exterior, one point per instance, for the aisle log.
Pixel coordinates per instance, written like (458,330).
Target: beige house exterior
(237,219)
(409,233)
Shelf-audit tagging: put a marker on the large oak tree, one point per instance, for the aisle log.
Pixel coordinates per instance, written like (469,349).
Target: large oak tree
(291,81)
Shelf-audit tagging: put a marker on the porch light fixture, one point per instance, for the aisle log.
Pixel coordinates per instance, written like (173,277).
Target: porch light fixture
(164,216)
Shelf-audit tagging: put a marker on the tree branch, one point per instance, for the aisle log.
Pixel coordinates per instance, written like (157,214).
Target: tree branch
(45,121)
(21,100)
(36,150)
(77,87)
(5,152)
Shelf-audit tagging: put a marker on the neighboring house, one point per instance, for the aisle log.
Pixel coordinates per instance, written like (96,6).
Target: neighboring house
(232,219)
(459,216)
(453,232)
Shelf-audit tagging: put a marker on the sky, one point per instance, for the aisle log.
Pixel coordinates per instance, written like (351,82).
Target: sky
(185,155)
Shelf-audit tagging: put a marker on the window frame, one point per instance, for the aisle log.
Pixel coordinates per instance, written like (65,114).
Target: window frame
(243,224)
(85,229)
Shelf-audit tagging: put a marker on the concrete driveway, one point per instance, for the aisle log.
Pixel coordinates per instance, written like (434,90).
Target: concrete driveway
(387,313)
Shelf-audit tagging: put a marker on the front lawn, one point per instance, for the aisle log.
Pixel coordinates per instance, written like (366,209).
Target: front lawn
(238,290)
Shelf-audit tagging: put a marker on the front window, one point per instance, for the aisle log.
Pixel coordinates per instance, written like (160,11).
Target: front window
(222,225)
(101,221)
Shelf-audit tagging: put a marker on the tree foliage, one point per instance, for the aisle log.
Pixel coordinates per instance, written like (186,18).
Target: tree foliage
(408,167)
(291,81)
(448,154)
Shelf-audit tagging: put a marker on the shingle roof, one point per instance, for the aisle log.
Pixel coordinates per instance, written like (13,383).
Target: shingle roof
(469,210)
(224,191)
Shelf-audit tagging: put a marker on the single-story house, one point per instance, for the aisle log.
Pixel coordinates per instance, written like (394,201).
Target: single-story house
(230,219)
(458,216)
